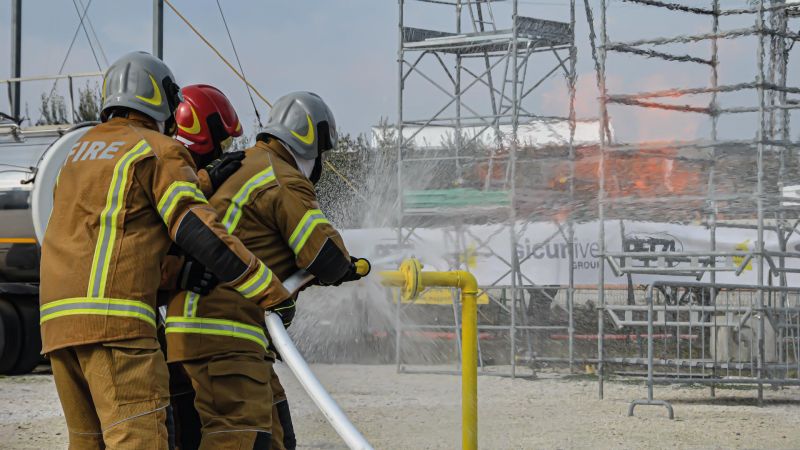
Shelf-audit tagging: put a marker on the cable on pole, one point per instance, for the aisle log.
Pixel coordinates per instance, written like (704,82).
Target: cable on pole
(72,43)
(250,85)
(94,34)
(69,50)
(214,49)
(86,33)
(238,61)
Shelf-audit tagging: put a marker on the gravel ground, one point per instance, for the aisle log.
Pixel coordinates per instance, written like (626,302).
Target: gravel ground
(422,412)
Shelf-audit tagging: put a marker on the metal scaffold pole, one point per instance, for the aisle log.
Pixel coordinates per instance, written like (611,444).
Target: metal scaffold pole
(16,57)
(158,29)
(457,87)
(779,62)
(762,137)
(601,176)
(515,293)
(712,222)
(398,328)
(571,80)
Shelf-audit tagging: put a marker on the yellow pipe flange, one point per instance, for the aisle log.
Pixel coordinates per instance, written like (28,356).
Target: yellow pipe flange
(411,269)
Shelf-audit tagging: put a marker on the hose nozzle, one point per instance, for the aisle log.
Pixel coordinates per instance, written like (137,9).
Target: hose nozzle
(363,267)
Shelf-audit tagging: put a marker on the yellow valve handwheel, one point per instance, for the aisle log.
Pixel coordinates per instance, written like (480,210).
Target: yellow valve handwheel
(411,269)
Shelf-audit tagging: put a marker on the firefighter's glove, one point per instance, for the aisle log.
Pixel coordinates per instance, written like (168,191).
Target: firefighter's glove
(359,268)
(220,169)
(194,277)
(285,310)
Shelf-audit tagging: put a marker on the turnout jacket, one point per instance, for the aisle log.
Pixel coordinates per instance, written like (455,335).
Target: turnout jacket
(272,208)
(124,193)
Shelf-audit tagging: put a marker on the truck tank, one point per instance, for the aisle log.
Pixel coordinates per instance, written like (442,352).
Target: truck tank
(30,159)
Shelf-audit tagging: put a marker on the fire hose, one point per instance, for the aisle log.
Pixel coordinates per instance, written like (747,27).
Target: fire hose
(292,357)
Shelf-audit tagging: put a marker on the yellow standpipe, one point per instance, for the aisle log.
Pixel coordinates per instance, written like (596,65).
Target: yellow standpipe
(412,280)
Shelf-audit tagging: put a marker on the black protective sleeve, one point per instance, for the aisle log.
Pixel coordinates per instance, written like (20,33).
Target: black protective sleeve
(330,265)
(199,242)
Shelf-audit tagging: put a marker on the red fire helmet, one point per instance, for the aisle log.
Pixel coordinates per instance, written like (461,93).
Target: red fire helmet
(205,118)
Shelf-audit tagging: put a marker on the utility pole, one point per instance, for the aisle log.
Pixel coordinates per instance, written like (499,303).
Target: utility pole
(158,28)
(16,56)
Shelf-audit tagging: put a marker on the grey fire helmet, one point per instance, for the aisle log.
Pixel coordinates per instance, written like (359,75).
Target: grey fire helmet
(143,83)
(303,122)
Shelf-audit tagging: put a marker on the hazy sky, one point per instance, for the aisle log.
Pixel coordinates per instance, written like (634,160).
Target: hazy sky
(345,50)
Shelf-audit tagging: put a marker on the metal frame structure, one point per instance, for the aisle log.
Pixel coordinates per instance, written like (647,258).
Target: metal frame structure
(16,57)
(764,204)
(70,77)
(774,360)
(478,56)
(16,79)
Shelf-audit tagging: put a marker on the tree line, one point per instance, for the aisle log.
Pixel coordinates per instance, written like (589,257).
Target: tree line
(53,107)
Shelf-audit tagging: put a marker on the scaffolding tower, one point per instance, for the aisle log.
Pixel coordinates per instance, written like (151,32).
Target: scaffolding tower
(752,198)
(484,68)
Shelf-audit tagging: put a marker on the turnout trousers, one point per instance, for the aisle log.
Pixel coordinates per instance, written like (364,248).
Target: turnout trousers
(241,403)
(114,394)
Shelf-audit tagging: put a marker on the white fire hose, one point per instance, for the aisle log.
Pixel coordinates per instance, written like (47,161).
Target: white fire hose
(280,338)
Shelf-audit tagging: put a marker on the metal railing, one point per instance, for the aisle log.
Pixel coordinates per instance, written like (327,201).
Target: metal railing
(70,77)
(552,326)
(748,335)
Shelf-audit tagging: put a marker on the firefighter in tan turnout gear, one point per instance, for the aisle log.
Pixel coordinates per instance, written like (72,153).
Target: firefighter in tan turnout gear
(269,204)
(125,192)
(206,124)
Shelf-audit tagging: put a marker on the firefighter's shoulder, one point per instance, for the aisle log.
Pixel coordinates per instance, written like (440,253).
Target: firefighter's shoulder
(163,145)
(288,176)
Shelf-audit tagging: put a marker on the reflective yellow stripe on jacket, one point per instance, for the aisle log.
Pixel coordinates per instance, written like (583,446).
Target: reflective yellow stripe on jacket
(234,212)
(217,327)
(173,194)
(302,232)
(98,306)
(109,218)
(257,283)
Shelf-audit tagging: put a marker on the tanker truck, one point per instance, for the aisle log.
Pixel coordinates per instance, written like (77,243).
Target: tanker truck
(30,159)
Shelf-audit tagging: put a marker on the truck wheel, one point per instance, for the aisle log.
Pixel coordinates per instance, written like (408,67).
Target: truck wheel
(31,347)
(11,338)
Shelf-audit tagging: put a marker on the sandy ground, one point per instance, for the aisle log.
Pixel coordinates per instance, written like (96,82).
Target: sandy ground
(422,412)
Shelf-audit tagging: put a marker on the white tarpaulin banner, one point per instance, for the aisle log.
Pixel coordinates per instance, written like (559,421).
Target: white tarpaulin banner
(544,254)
